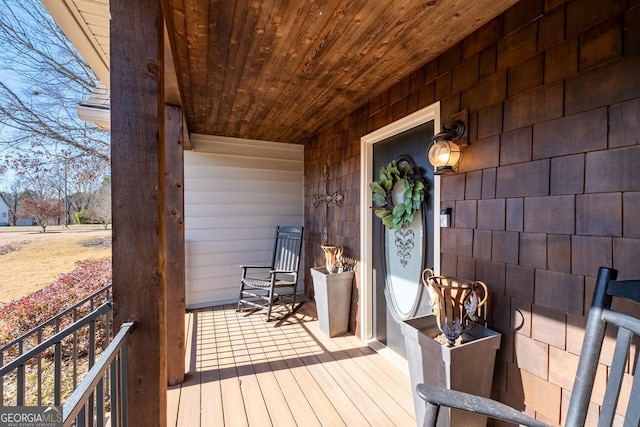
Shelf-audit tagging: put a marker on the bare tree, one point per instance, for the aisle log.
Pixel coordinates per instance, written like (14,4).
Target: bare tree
(42,80)
(83,182)
(77,179)
(39,179)
(42,211)
(101,206)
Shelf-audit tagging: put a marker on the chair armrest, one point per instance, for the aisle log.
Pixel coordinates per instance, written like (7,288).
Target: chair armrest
(247,267)
(439,396)
(282,271)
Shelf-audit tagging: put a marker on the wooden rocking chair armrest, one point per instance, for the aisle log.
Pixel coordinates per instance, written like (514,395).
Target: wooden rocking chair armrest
(247,267)
(439,396)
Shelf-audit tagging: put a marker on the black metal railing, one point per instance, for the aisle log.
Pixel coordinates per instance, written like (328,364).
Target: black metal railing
(39,354)
(71,360)
(52,326)
(106,378)
(58,354)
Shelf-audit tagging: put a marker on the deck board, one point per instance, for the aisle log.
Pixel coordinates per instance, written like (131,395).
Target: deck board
(294,395)
(321,404)
(211,413)
(377,382)
(395,383)
(244,371)
(189,409)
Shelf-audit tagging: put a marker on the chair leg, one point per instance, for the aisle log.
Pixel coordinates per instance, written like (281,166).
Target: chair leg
(242,305)
(240,298)
(270,304)
(431,415)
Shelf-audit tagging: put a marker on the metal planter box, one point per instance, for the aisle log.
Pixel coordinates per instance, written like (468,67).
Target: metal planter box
(467,367)
(333,299)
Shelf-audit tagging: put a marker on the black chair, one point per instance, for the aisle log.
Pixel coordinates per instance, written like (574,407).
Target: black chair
(600,315)
(278,285)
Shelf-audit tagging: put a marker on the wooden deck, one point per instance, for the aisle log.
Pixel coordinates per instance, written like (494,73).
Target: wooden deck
(243,371)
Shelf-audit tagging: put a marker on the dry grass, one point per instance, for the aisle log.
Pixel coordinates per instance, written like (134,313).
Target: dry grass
(31,259)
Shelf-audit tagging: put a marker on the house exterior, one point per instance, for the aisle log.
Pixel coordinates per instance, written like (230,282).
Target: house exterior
(545,194)
(4,213)
(546,189)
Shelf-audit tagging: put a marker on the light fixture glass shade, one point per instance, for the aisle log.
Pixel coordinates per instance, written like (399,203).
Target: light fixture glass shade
(444,156)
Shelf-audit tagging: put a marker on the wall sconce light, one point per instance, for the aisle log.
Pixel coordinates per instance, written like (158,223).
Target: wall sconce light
(445,153)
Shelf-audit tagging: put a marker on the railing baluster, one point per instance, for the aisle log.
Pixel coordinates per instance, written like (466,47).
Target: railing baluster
(92,357)
(114,393)
(109,325)
(57,374)
(107,321)
(39,369)
(89,407)
(81,419)
(75,350)
(100,403)
(20,386)
(123,382)
(1,379)
(92,343)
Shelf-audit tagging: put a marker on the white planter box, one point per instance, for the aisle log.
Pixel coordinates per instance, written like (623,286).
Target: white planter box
(333,299)
(467,367)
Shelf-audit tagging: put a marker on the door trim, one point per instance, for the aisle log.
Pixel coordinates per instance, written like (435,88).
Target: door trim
(427,114)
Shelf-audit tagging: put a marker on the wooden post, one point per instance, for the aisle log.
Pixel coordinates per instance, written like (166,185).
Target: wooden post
(173,232)
(137,139)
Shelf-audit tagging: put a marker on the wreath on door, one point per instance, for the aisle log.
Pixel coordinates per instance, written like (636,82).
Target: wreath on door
(401,215)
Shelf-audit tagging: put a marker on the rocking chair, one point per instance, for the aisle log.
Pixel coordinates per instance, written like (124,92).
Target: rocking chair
(280,281)
(600,315)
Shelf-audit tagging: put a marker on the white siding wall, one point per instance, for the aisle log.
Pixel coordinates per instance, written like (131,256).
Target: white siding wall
(236,193)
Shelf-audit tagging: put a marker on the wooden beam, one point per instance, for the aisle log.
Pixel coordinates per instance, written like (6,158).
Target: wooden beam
(173,234)
(137,135)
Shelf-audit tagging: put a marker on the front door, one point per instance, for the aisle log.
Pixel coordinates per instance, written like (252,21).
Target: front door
(399,256)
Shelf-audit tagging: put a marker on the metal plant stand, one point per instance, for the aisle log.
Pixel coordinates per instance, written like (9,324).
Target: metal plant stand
(456,303)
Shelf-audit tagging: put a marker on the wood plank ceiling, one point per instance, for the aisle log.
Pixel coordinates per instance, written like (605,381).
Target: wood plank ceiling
(282,70)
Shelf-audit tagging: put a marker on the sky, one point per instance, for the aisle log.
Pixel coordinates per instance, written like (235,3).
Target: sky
(9,176)
(11,79)
(57,94)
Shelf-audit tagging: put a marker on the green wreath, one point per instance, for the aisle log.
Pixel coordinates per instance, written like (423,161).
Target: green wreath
(402,214)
